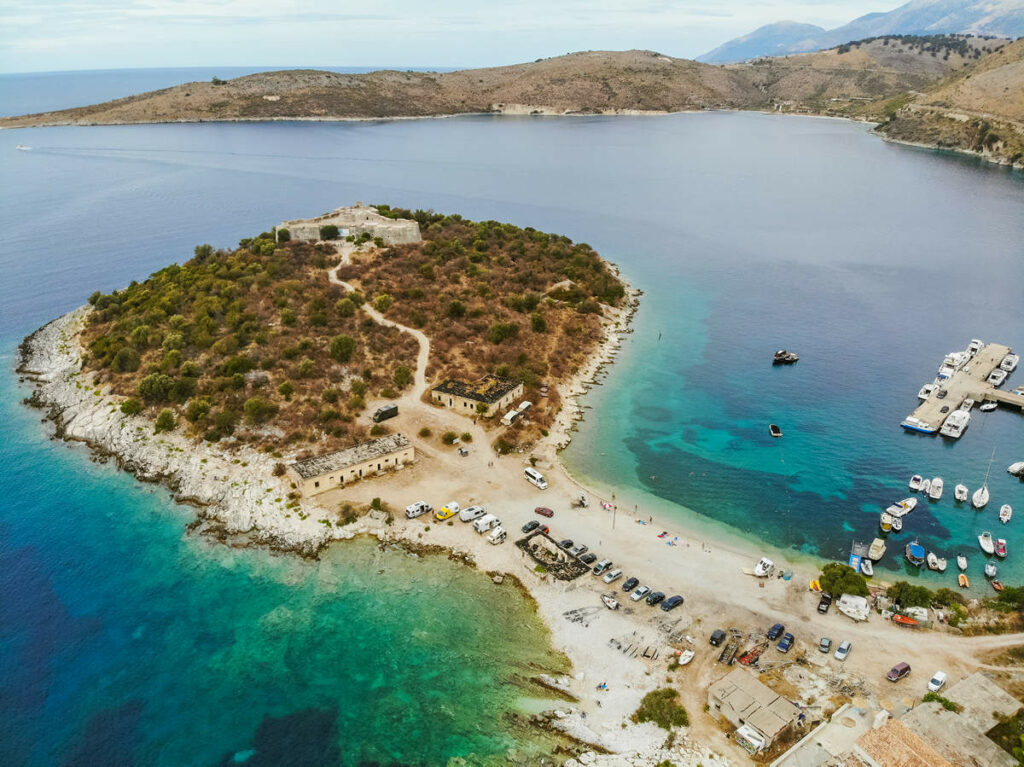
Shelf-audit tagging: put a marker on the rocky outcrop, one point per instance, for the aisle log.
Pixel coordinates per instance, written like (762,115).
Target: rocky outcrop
(236,493)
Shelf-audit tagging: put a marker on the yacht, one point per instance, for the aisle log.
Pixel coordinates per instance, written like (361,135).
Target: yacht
(935,492)
(967,404)
(915,483)
(867,568)
(961,561)
(902,508)
(1016,469)
(1005,513)
(997,377)
(956,424)
(975,346)
(1010,362)
(960,493)
(915,553)
(985,541)
(926,391)
(988,406)
(1001,548)
(991,570)
(877,550)
(885,521)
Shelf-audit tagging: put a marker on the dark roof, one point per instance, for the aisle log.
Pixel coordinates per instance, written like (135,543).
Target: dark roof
(488,389)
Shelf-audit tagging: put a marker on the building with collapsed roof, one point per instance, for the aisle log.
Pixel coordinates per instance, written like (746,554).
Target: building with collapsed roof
(484,397)
(332,470)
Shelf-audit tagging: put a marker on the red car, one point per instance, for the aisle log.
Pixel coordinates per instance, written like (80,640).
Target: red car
(544,512)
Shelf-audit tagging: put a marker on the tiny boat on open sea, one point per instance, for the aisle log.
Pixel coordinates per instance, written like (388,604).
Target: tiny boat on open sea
(774,430)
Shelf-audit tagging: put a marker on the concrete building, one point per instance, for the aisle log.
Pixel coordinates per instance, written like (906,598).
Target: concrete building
(491,392)
(758,712)
(356,220)
(326,472)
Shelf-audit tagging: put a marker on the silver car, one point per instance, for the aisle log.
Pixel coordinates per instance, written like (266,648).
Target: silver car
(640,593)
(843,650)
(614,575)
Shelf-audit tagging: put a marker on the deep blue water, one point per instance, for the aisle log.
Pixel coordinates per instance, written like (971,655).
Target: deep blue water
(125,641)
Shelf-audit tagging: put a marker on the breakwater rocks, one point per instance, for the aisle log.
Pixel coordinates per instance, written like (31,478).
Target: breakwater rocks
(235,493)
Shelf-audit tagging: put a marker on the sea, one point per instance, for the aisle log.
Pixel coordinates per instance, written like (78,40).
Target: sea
(124,640)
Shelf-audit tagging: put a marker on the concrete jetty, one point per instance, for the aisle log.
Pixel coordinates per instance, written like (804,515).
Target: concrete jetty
(968,382)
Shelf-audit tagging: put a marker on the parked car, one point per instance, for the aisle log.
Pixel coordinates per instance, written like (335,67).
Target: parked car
(417,509)
(824,645)
(671,603)
(385,412)
(471,513)
(717,637)
(843,650)
(612,576)
(654,597)
(544,512)
(565,543)
(601,566)
(937,681)
(588,559)
(897,672)
(630,584)
(447,511)
(825,602)
(640,593)
(775,632)
(785,643)
(578,550)
(530,526)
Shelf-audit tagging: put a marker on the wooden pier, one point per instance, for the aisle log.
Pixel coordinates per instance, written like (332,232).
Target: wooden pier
(969,382)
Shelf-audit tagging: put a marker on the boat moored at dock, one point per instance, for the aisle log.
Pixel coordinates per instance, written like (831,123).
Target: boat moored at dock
(956,424)
(877,549)
(988,406)
(926,391)
(1009,363)
(997,378)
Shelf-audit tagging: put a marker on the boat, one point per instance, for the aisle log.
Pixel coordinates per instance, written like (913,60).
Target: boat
(904,620)
(962,580)
(774,430)
(915,553)
(988,406)
(609,602)
(985,541)
(764,568)
(926,391)
(1016,469)
(961,561)
(867,568)
(915,483)
(997,585)
(991,570)
(897,524)
(975,346)
(1009,363)
(960,493)
(913,423)
(885,521)
(956,424)
(935,491)
(902,508)
(1005,513)
(932,560)
(23,148)
(980,498)
(997,377)
(940,564)
(967,404)
(926,486)
(854,607)
(685,657)
(1001,548)
(858,553)
(877,550)
(784,357)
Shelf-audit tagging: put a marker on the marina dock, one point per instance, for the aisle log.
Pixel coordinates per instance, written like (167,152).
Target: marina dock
(968,382)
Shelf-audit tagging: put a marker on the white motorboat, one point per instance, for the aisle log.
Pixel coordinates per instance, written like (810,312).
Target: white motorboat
(1016,469)
(867,568)
(1009,363)
(902,508)
(915,483)
(991,571)
(967,404)
(997,377)
(877,549)
(764,568)
(986,542)
(897,524)
(940,564)
(610,602)
(926,486)
(685,657)
(885,521)
(960,493)
(961,561)
(935,562)
(955,425)
(975,346)
(935,492)
(1005,513)
(926,391)
(988,406)
(23,148)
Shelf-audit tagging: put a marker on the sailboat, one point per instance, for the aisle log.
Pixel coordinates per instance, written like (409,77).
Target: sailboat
(980,498)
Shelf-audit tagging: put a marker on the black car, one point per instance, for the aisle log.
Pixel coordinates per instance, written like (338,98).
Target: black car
(588,559)
(630,584)
(654,597)
(775,632)
(566,544)
(824,603)
(671,603)
(717,637)
(530,526)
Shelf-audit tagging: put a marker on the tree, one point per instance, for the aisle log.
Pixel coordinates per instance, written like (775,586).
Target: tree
(283,235)
(286,390)
(342,347)
(909,595)
(537,323)
(164,421)
(125,361)
(259,410)
(837,578)
(306,368)
(402,376)
(328,232)
(198,408)
(456,309)
(155,387)
(345,307)
(131,406)
(383,302)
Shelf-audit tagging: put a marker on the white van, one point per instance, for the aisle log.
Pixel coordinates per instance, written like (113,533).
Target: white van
(498,535)
(485,523)
(535,477)
(473,512)
(524,406)
(417,509)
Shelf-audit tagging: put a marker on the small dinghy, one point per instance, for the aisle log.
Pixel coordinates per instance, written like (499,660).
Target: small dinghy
(986,543)
(988,406)
(997,585)
(897,524)
(962,580)
(774,430)
(1001,548)
(935,562)
(1005,513)
(915,483)
(685,657)
(609,602)
(961,561)
(935,491)
(960,493)
(991,570)
(867,568)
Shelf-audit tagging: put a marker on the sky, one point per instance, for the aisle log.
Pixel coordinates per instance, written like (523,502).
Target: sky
(54,35)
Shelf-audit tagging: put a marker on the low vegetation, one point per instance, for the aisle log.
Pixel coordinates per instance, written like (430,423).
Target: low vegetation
(838,579)
(946,703)
(662,708)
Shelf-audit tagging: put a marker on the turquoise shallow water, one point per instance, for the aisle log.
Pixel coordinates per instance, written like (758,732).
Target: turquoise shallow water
(123,641)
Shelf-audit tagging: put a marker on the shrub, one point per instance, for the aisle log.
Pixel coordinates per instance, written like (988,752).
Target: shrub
(279,469)
(466,437)
(329,232)
(342,347)
(125,361)
(502,330)
(660,707)
(358,387)
(449,437)
(837,578)
(946,703)
(537,323)
(383,302)
(286,390)
(345,307)
(288,317)
(377,430)
(456,309)
(164,421)
(306,368)
(283,235)
(425,432)
(198,408)
(259,410)
(155,388)
(330,395)
(131,406)
(402,376)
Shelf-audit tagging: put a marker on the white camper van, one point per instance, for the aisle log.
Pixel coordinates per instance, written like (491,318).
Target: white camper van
(485,523)
(473,512)
(498,535)
(536,478)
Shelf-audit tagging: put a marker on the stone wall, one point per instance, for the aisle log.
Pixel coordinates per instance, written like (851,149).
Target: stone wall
(357,220)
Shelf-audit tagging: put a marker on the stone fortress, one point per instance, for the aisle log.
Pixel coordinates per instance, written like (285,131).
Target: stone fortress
(356,220)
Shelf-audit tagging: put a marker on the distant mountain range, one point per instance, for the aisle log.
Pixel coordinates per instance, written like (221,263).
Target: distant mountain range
(1000,18)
